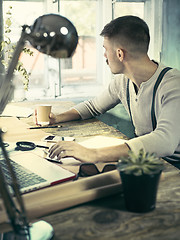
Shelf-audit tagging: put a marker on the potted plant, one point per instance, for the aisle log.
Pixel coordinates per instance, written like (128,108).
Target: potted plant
(140,176)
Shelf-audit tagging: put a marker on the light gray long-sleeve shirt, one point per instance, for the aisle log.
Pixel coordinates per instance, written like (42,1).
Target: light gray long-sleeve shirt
(165,139)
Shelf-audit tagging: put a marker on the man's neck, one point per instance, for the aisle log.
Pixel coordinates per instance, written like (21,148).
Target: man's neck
(140,70)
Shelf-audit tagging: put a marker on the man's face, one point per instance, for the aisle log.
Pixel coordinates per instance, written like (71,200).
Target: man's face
(112,60)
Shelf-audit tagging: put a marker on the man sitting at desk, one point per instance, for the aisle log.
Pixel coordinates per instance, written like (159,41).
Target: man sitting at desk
(126,42)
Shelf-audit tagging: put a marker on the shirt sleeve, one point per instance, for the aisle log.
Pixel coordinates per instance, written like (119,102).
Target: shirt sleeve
(108,99)
(165,139)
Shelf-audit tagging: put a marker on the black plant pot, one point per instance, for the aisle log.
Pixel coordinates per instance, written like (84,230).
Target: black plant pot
(140,191)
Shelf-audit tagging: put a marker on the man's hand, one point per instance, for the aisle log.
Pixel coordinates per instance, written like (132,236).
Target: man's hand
(64,149)
(69,115)
(52,117)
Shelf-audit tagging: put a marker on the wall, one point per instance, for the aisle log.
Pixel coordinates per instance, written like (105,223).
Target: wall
(171,33)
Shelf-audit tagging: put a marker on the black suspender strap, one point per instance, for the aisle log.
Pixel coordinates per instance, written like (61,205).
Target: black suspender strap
(128,103)
(128,99)
(161,75)
(153,117)
(175,156)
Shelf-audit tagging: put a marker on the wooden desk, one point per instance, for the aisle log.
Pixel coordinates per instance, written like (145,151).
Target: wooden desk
(107,218)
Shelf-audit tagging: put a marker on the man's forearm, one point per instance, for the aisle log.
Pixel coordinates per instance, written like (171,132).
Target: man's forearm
(111,154)
(69,115)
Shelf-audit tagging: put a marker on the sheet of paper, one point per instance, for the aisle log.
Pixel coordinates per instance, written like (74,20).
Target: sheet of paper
(16,111)
(102,141)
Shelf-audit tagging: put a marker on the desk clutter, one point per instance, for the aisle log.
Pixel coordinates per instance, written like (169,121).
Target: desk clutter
(34,160)
(54,204)
(32,170)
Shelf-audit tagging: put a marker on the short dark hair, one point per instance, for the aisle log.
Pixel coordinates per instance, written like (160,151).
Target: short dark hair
(130,31)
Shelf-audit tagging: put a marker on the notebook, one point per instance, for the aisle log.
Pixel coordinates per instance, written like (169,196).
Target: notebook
(33,171)
(16,111)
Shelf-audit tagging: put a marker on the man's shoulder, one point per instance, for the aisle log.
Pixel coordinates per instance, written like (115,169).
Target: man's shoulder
(171,77)
(171,81)
(175,72)
(172,72)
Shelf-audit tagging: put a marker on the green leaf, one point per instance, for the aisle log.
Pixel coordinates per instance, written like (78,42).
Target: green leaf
(8,22)
(141,163)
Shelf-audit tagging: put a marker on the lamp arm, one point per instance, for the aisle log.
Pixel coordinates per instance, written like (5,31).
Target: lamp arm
(15,211)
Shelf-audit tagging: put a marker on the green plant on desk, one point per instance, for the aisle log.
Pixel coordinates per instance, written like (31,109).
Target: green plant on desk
(8,49)
(140,176)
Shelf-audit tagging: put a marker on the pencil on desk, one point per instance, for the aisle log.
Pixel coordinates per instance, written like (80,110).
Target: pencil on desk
(40,127)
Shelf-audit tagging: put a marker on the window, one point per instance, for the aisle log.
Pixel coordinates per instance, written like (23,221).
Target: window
(24,12)
(86,72)
(77,74)
(51,77)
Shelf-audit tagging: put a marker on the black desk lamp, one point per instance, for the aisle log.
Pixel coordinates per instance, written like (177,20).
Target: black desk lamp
(56,36)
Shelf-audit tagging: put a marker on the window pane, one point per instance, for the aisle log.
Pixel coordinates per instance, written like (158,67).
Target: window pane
(129,8)
(26,13)
(81,68)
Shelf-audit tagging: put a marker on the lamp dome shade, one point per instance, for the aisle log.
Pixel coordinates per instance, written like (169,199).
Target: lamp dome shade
(54,35)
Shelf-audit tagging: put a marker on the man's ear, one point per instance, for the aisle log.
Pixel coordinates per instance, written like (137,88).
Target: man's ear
(120,54)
